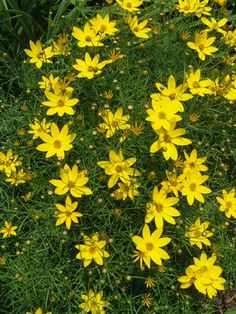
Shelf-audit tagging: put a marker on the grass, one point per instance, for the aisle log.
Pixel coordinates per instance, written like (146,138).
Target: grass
(41,269)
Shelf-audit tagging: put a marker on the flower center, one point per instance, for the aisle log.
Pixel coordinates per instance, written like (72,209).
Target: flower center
(172,96)
(129,5)
(57,144)
(159,207)
(192,187)
(228,204)
(162,115)
(92,250)
(149,246)
(196,84)
(167,138)
(60,103)
(136,29)
(103,28)
(197,233)
(118,168)
(192,165)
(88,38)
(71,184)
(201,47)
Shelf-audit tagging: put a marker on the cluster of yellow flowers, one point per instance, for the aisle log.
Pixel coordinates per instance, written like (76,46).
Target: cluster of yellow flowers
(167,106)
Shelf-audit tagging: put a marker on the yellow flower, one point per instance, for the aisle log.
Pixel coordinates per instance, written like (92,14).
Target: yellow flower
(87,37)
(17,178)
(67,213)
(130,5)
(192,163)
(203,45)
(193,117)
(161,208)
(39,128)
(38,311)
(118,168)
(9,162)
(194,6)
(228,203)
(56,143)
(150,282)
(204,275)
(93,303)
(147,300)
(173,183)
(89,67)
(167,141)
(137,129)
(60,103)
(103,25)
(139,29)
(162,114)
(214,25)
(198,234)
(193,189)
(61,46)
(173,94)
(3,260)
(71,180)
(108,95)
(92,249)
(115,55)
(48,83)
(151,245)
(196,86)
(8,230)
(114,122)
(128,189)
(38,54)
(185,35)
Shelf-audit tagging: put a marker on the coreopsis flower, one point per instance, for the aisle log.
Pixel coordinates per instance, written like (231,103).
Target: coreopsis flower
(114,122)
(173,183)
(93,303)
(108,95)
(193,117)
(150,245)
(198,233)
(198,7)
(173,94)
(8,230)
(48,83)
(38,311)
(160,208)
(212,25)
(67,213)
(17,177)
(167,141)
(147,300)
(162,114)
(60,103)
(61,46)
(56,143)
(204,275)
(150,282)
(127,189)
(38,128)
(89,67)
(114,55)
(103,26)
(130,5)
(9,162)
(196,86)
(118,168)
(92,249)
(228,203)
(193,188)
(87,37)
(38,54)
(139,29)
(73,181)
(230,38)
(193,164)
(203,45)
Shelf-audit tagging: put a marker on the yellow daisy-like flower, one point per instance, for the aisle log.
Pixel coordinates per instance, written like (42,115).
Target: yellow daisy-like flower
(38,128)
(196,86)
(9,162)
(103,25)
(73,181)
(161,209)
(130,5)
(56,143)
(139,29)
(38,54)
(203,45)
(48,83)
(17,178)
(8,230)
(92,249)
(228,203)
(87,37)
(67,213)
(89,67)
(118,168)
(128,189)
(214,25)
(60,103)
(151,245)
(198,233)
(193,164)
(93,303)
(193,188)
